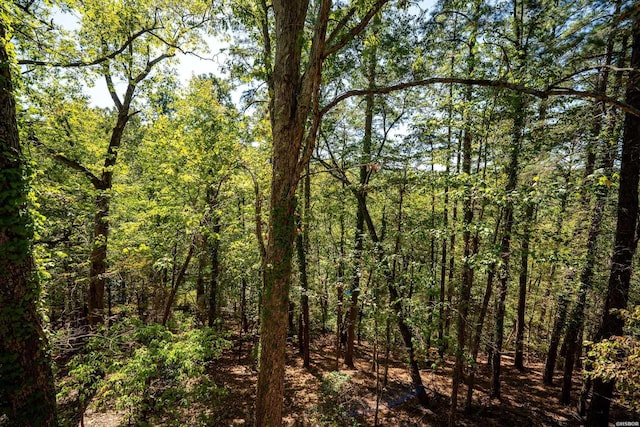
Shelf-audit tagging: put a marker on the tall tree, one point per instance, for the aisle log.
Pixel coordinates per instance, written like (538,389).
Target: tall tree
(626,234)
(130,40)
(27,394)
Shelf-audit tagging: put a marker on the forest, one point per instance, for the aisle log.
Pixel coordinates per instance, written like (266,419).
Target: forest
(372,213)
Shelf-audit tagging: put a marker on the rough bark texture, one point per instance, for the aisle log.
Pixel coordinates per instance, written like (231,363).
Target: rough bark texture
(626,238)
(27,394)
(291,102)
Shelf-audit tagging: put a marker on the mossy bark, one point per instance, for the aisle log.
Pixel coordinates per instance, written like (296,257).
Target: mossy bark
(27,394)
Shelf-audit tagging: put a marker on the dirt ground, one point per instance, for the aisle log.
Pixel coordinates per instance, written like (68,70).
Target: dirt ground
(525,401)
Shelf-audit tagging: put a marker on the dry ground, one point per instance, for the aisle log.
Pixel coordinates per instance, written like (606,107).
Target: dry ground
(525,401)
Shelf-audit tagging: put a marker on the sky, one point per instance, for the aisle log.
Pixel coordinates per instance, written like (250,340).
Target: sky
(187,65)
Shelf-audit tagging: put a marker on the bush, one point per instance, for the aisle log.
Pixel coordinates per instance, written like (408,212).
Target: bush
(335,400)
(618,359)
(143,370)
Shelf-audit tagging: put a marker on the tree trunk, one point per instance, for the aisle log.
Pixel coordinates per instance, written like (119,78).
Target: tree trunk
(365,173)
(522,285)
(607,155)
(176,284)
(214,248)
(302,245)
(292,97)
(505,246)
(27,394)
(467,279)
(625,235)
(396,304)
(339,291)
(98,259)
(558,326)
(355,291)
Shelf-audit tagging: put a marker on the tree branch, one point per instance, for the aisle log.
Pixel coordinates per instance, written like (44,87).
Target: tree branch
(88,63)
(546,93)
(355,30)
(97,182)
(112,88)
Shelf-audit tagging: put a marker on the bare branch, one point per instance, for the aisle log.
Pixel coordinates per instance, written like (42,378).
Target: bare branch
(112,88)
(149,66)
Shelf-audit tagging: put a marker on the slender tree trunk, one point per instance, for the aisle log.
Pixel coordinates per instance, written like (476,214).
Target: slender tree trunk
(626,237)
(201,305)
(396,304)
(27,393)
(558,326)
(522,285)
(176,284)
(576,319)
(475,345)
(214,249)
(365,174)
(464,298)
(355,291)
(559,319)
(302,240)
(340,292)
(505,246)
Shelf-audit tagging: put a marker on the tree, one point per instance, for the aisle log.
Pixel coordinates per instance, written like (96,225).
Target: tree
(294,94)
(626,234)
(27,393)
(132,39)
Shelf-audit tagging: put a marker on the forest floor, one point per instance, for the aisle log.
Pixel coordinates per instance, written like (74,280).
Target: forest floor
(525,400)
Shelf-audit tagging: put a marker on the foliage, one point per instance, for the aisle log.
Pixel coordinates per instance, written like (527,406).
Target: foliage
(618,359)
(146,371)
(336,393)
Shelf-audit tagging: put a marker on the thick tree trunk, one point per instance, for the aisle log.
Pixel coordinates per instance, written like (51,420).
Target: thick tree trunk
(27,394)
(291,99)
(626,238)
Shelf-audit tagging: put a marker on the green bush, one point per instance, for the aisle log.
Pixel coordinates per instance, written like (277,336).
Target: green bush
(147,371)
(618,359)
(335,398)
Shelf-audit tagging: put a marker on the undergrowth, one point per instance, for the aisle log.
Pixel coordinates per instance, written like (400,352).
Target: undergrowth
(148,373)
